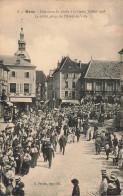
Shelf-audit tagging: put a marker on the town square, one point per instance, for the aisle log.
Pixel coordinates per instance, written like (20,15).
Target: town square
(61,98)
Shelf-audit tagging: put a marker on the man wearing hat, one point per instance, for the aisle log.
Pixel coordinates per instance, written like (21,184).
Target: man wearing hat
(113,180)
(62,143)
(111,190)
(104,184)
(76,189)
(18,190)
(50,154)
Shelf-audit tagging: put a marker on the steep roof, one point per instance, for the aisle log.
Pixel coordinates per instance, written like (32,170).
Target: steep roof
(103,70)
(40,77)
(70,66)
(13,61)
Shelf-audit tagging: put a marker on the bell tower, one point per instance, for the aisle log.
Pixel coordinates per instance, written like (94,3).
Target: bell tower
(22,48)
(21,42)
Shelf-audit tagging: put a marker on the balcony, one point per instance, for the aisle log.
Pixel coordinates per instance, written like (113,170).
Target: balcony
(22,94)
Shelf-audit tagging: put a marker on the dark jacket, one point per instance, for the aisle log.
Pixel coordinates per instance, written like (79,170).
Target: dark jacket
(76,190)
(118,189)
(62,141)
(17,191)
(50,153)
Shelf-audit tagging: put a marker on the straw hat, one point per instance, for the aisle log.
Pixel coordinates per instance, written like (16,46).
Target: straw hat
(112,177)
(111,186)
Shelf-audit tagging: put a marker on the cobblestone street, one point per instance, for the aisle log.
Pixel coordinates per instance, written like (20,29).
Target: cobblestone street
(79,161)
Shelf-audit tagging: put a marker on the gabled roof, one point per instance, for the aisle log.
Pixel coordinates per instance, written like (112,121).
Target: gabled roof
(13,61)
(103,70)
(121,52)
(70,66)
(40,77)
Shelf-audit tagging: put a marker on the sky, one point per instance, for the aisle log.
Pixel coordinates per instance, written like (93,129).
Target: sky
(80,29)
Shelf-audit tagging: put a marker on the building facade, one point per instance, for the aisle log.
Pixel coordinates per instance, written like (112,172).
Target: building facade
(4,96)
(102,80)
(66,81)
(22,75)
(21,80)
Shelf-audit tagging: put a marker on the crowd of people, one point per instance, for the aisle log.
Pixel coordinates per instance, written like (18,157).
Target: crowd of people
(110,185)
(38,132)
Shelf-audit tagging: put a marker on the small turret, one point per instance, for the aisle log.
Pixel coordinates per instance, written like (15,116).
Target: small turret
(22,48)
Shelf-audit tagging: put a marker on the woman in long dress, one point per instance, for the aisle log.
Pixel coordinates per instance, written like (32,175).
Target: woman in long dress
(88,133)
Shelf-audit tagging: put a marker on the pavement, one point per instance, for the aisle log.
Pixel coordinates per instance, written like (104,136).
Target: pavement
(80,161)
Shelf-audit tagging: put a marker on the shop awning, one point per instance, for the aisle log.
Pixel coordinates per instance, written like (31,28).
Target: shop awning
(20,99)
(70,101)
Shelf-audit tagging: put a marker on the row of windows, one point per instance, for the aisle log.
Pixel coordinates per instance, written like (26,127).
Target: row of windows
(14,74)
(73,84)
(99,87)
(70,75)
(67,94)
(20,88)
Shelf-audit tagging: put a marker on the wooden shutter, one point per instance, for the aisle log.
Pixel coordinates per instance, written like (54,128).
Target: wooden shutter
(30,88)
(30,74)
(17,88)
(16,74)
(21,88)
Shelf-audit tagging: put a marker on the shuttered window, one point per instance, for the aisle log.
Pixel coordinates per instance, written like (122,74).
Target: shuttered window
(30,88)
(12,87)
(109,86)
(26,88)
(17,88)
(98,86)
(73,94)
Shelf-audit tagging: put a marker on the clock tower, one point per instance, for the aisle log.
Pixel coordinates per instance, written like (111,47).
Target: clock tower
(22,48)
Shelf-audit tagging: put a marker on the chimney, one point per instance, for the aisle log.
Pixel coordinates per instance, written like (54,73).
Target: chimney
(75,60)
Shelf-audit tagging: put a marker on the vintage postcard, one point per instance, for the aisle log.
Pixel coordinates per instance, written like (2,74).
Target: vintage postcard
(61,101)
